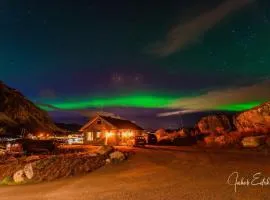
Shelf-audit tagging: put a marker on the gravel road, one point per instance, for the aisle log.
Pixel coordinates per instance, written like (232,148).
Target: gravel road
(158,174)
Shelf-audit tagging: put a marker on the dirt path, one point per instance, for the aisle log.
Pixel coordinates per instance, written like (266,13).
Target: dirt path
(167,174)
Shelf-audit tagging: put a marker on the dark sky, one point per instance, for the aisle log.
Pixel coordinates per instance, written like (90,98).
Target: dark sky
(137,58)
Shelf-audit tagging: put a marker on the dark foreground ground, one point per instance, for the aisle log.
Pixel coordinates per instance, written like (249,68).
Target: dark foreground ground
(158,173)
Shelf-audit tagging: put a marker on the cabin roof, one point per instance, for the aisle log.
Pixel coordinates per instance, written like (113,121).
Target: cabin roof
(116,122)
(121,123)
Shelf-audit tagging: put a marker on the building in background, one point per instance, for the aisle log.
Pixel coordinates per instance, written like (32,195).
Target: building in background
(109,130)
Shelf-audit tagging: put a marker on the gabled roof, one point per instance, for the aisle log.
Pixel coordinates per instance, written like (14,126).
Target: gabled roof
(116,122)
(121,123)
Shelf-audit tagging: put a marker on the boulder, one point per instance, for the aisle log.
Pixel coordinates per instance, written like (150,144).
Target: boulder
(108,161)
(214,124)
(209,140)
(253,141)
(18,176)
(256,120)
(28,171)
(220,140)
(2,152)
(161,133)
(117,156)
(104,150)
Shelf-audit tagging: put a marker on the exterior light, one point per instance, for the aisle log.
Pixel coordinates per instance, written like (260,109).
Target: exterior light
(125,134)
(109,134)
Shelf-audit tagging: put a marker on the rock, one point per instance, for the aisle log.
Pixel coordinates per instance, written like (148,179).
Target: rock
(117,156)
(256,120)
(2,152)
(233,138)
(186,132)
(209,140)
(28,171)
(220,140)
(104,150)
(253,141)
(18,176)
(108,161)
(32,158)
(161,133)
(214,124)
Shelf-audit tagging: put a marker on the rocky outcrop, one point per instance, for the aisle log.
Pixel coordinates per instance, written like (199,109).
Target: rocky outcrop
(214,124)
(253,141)
(16,111)
(28,171)
(255,120)
(18,176)
(117,156)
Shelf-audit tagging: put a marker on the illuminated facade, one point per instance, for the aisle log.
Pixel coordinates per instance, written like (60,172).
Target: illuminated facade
(110,130)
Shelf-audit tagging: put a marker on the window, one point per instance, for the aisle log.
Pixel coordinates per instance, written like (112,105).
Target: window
(98,121)
(98,134)
(90,136)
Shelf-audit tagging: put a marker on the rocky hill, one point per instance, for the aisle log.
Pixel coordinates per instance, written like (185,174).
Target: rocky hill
(254,120)
(17,113)
(214,124)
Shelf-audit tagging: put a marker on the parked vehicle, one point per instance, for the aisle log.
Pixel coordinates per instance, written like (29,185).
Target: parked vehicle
(30,146)
(38,146)
(139,141)
(151,139)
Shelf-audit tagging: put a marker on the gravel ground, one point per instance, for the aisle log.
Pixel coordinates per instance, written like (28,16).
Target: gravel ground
(160,174)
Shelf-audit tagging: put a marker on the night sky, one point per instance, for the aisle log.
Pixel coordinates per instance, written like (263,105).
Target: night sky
(142,60)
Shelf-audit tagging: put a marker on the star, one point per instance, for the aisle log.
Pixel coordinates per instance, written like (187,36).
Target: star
(29,12)
(117,78)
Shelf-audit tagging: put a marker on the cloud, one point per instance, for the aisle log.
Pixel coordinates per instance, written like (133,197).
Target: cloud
(184,34)
(180,112)
(216,98)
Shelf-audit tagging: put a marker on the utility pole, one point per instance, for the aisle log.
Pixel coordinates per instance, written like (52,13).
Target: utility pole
(181,121)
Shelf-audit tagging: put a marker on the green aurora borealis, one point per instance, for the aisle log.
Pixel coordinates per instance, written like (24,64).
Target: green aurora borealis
(139,101)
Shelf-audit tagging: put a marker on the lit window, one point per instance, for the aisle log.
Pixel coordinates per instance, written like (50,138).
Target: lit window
(90,136)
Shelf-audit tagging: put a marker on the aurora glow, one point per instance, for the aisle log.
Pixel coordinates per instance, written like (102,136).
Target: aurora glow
(139,102)
(240,106)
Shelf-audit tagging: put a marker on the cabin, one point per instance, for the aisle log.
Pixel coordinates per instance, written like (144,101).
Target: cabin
(109,130)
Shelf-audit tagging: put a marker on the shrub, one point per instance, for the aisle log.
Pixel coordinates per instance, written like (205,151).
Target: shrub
(8,180)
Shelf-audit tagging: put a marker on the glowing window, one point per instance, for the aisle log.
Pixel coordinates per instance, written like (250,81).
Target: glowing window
(98,134)
(90,136)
